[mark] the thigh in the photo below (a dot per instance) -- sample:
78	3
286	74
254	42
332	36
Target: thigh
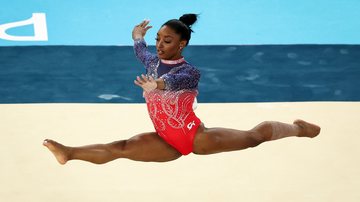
149	147
215	140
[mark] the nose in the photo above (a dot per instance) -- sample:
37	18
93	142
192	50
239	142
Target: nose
160	44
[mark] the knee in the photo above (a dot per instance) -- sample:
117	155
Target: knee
263	131
264	126
118	148
127	148
254	138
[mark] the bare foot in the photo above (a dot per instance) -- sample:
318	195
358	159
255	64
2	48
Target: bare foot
307	129
60	152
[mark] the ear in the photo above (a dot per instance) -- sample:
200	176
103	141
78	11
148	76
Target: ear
183	43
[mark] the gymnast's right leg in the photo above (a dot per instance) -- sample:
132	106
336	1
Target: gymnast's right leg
143	147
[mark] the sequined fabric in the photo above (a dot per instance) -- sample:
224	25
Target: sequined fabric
184	76
171	110
173	118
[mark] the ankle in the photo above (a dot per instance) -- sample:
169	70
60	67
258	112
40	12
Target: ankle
299	129
282	130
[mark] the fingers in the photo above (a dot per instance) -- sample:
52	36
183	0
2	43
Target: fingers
140	80
144	78
147	28
140	30
144	23
151	79
137	83
148	78
146	83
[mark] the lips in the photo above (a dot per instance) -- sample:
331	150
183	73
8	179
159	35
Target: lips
160	52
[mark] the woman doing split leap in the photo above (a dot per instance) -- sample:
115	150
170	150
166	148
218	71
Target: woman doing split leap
170	88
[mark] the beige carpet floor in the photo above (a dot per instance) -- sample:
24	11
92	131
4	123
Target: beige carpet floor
326	168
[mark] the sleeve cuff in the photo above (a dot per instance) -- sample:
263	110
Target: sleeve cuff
166	83
139	40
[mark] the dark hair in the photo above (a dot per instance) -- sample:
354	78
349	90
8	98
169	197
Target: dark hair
183	25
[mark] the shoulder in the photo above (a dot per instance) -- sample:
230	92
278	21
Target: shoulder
189	67
186	69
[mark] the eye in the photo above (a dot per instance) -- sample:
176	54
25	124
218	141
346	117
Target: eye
167	41
156	39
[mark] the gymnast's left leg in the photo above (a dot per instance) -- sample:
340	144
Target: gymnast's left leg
215	140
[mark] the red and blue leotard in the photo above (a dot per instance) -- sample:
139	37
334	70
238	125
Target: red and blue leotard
171	110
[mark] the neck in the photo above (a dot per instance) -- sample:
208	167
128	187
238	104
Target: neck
175	57
173	61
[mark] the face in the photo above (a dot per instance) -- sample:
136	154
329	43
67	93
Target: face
168	44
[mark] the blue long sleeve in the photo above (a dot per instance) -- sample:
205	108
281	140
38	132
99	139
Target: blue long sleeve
186	78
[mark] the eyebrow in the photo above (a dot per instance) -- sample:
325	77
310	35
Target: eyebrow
166	36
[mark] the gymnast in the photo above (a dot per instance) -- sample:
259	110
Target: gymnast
170	87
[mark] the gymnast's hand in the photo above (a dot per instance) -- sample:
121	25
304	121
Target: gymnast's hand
140	30
147	84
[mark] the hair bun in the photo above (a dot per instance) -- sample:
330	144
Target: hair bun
188	19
